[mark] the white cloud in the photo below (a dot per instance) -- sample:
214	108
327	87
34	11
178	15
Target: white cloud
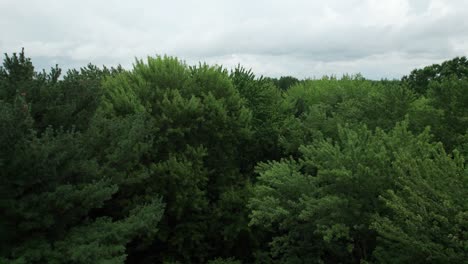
379	38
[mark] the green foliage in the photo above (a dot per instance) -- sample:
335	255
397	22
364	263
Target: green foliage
71	103
194	124
444	110
170	163
426	221
264	100
388	103
321	207
419	79
16	76
284	82
53	192
315	108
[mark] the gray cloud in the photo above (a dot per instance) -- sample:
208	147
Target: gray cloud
378	38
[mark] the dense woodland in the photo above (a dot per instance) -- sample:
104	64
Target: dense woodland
171	163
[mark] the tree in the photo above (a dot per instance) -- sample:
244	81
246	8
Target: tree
444	110
170	163
53	191
426	216
315	108
51	208
419	79
264	101
16	76
192	124
322	206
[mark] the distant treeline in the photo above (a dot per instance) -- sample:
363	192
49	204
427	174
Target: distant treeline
171	163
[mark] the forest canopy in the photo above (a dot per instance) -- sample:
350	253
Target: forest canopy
172	163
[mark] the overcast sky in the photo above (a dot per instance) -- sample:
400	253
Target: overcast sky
378	38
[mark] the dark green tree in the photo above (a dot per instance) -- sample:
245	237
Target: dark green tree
321	207
53	191
426	220
191	129
419	79
444	110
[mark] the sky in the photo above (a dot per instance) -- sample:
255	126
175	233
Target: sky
305	39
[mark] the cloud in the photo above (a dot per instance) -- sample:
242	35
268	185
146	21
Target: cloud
378	38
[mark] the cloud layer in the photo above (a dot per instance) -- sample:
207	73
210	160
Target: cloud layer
378	38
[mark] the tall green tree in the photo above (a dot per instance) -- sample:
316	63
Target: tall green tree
321	207
193	124
444	110
426	218
52	191
419	79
